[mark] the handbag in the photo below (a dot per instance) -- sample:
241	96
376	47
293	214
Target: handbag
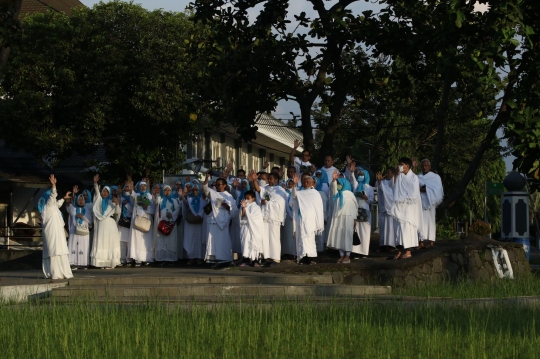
362	215
356	239
165	227
81	230
142	224
193	218
124	222
208	208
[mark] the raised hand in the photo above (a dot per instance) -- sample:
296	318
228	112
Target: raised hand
266	164
296	144
236	183
313	169
335	175
296	178
96	178
379	176
188	179
75	189
243	203
67	195
53	180
115	200
348	158
414	163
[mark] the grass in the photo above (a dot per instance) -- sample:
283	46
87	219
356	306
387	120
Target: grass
500	288
286	330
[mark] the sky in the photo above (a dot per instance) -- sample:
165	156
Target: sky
284	107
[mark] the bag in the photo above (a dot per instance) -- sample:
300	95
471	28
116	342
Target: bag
124	222
81	230
355	239
165	227
192	218
362	215
208	208
142	224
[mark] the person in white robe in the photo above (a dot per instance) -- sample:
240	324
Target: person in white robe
364	197
251	232
322	238
242	186
288	243
106	246
385	196
432	194
308	219
302	165
273	199
181	220
55	263
168	210
406	208
218	239
141	249
328	169
193	232
342	221
124	223
79	242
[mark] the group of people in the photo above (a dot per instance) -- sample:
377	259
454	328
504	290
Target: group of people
259	216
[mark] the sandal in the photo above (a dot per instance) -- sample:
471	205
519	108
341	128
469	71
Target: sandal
340	260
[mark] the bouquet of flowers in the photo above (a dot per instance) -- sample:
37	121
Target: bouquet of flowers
267	197
143	201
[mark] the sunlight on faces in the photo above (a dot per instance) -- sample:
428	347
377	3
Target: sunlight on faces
105	193
167	191
307	181
80	201
290	184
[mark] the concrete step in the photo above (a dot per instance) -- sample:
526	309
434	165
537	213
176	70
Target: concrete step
219	290
181	280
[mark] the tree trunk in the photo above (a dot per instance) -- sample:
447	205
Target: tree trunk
502	117
5	48
442	114
307	130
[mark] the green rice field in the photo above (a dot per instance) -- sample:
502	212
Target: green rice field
280	330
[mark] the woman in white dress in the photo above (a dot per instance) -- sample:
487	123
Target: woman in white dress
55	250
167	209
141	249
79	242
180	221
106	247
193	232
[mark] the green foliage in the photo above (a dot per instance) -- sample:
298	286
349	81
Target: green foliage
115	74
280	330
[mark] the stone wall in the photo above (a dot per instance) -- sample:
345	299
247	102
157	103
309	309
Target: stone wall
474	263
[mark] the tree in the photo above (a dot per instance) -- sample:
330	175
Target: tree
9	30
115	74
254	63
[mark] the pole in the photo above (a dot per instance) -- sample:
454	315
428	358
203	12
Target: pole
485	201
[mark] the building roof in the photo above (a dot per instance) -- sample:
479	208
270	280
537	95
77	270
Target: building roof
30	6
272	134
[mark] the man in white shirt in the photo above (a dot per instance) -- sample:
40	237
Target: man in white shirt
329	168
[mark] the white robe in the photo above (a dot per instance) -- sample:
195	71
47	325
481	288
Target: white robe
340	235
288	244
55	250
430	200
79	246
106	246
273	213
407	210
322	238
251	233
218	242
309	223
193	233
166	247
387	223
141	248
125	234
362	228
